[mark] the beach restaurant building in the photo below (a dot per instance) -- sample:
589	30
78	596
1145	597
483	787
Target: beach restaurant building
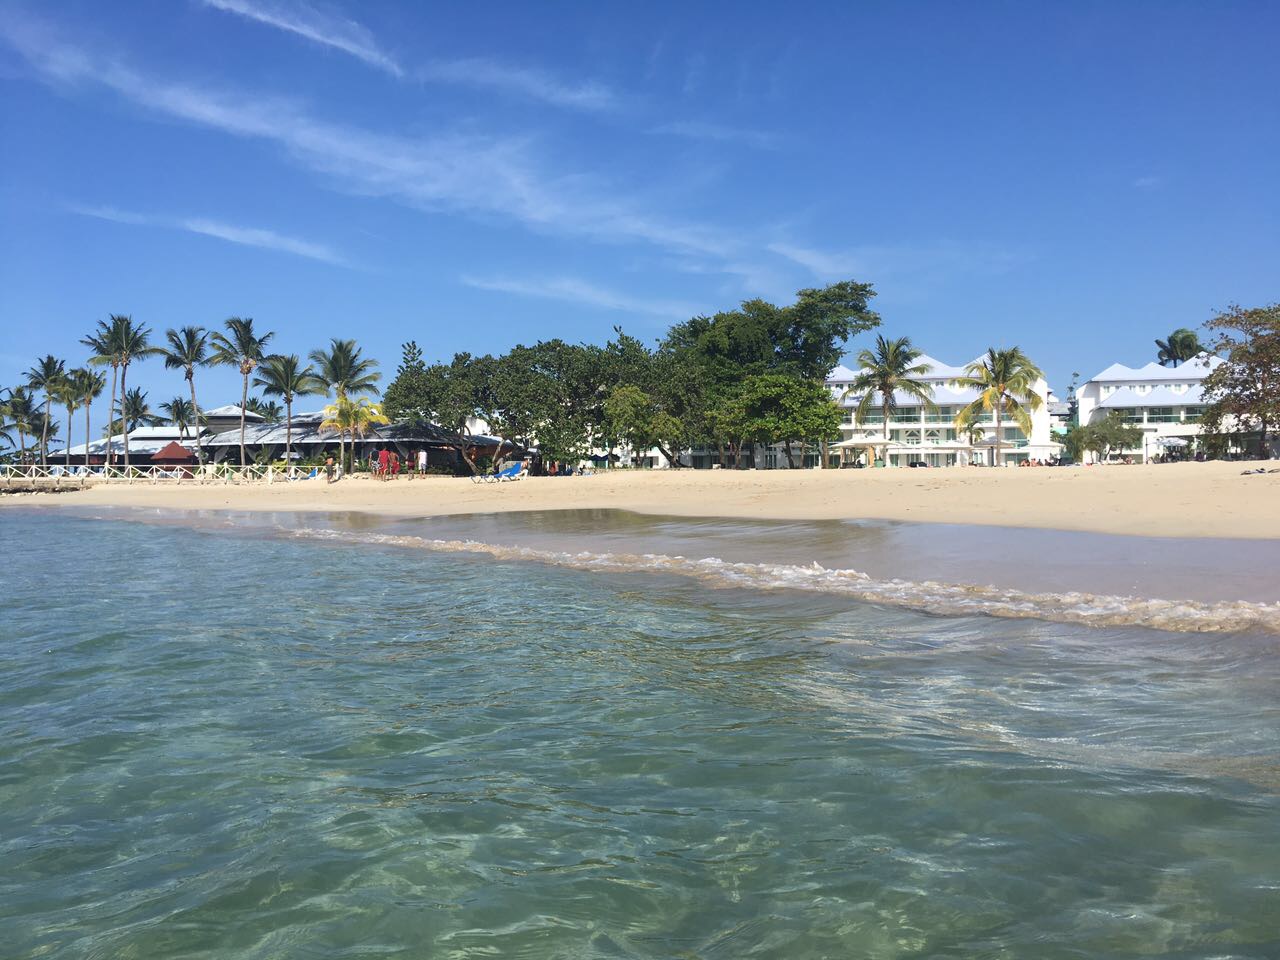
922	434
1165	403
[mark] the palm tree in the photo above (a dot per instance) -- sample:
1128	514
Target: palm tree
240	347
889	369
47	375
188	349
88	386
105	344
284	376
20	410
135	411
343	370
1006	384
181	413
1182	345
352	416
133	343
69	397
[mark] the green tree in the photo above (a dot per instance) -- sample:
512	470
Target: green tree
240	347
22	416
284	376
104	343
884	372
181	412
449	396
187	349
1006	384
88	385
1182	345
135	411
633	416
352	416
777	408
1245	390
47	375
69	396
133	341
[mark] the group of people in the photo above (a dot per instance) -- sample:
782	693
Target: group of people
386	464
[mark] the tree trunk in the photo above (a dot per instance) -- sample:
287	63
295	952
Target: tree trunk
111	417
721	450
195	412
791	461
999	438
86	436
67	448
885	412
244	398
44	429
124	424
288	430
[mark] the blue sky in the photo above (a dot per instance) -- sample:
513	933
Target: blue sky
1077	178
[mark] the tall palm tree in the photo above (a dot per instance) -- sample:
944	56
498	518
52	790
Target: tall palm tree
343	370
887	369
187	349
284	376
1006	384
88	386
105	344
240	347
1182	345
7	426
133	343
354	417
181	413
47	375
69	397
20	410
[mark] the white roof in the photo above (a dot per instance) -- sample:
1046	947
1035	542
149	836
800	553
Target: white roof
937	370
232	410
1194	369
1157	397
98	448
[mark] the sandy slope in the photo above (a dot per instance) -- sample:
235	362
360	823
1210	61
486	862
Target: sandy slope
1186	500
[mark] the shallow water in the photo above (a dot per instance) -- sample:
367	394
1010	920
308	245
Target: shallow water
220	744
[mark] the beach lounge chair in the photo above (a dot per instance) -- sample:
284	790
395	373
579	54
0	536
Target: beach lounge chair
513	472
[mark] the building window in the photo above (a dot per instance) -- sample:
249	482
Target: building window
940	415
1130	414
1163	415
1193	414
1014	433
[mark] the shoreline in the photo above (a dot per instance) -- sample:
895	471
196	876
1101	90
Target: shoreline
1185	501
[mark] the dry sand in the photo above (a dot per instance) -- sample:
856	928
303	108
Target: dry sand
1175	500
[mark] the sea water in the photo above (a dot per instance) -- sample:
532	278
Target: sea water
319	740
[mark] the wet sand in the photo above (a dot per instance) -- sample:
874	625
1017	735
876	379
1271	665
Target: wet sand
1189	500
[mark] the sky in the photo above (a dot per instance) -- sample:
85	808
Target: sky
1074	178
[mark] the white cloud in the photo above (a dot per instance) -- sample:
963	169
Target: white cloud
914	261
520	81
1148	182
245	236
573	290
699	130
457	172
327	29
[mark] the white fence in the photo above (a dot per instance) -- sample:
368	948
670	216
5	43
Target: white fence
56	475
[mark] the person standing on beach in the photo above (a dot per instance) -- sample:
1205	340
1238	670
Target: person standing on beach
422	461
384	460
328	470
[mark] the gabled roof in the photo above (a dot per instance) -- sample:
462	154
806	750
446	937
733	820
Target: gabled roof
937	370
1158	397
1194	369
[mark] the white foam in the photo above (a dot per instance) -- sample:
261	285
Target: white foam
928	595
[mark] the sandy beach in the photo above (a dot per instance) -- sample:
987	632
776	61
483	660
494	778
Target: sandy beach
1174	500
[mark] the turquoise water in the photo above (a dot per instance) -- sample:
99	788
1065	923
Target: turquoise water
231	745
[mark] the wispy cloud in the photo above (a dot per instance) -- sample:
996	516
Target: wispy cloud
699	130
902	262
522	82
573	290
245	236
319	26
1148	182
473	174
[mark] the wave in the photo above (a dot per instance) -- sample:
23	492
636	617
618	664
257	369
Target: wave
929	596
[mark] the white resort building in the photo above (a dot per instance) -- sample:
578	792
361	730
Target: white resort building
1165	402
918	434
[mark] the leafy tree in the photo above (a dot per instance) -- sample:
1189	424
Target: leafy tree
353	416
69	396
1246	388
885	371
777	408
47	375
181	413
1182	345
88	386
634	417
284	376
135	411
133	342
104	343
187	349
1005	381
242	348
22	416
343	370
449	396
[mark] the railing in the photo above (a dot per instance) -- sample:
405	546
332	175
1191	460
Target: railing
56	475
